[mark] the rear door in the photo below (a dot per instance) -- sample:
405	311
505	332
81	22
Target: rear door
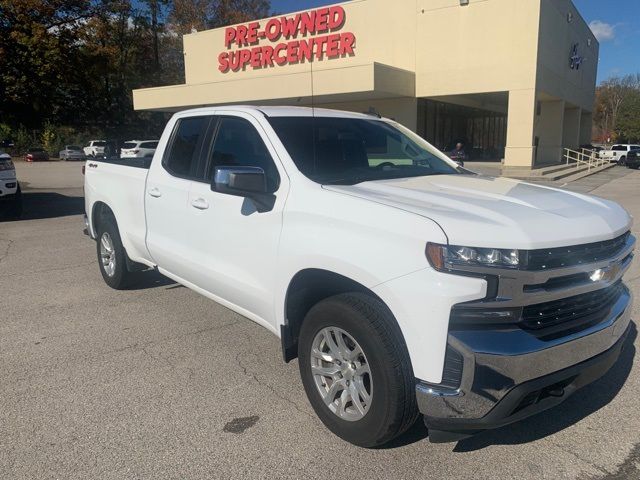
167	197
235	245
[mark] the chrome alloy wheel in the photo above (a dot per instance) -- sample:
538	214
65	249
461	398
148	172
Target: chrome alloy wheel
341	373
108	254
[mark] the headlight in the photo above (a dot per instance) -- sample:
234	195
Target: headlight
442	256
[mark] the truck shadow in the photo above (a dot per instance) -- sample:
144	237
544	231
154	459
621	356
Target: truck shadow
41	205
582	404
149	279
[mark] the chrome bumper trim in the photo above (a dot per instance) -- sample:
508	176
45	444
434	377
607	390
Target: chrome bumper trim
496	361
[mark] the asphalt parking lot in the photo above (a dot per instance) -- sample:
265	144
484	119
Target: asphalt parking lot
159	382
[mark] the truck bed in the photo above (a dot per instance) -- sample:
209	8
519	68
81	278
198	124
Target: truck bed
120	184
144	163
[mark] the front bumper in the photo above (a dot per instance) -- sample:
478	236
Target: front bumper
8	188
508	375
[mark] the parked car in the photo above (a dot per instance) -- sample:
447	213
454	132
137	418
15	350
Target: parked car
633	159
138	148
95	148
403	287
72	152
10	194
36	155
618	153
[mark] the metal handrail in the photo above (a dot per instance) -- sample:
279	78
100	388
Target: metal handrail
584	157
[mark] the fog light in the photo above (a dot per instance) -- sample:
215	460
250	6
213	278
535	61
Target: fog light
10	185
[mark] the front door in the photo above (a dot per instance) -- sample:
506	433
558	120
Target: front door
236	246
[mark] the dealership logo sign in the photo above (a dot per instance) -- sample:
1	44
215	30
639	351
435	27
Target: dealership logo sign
575	60
310	36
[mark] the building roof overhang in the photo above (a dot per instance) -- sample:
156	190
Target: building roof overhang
353	83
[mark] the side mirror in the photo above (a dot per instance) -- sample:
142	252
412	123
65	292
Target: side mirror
247	182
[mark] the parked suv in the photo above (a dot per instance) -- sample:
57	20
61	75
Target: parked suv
10	195
633	159
138	148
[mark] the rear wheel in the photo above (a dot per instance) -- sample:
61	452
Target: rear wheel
112	257
356	371
622	161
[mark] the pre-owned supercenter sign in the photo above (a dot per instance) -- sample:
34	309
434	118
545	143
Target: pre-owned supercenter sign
306	36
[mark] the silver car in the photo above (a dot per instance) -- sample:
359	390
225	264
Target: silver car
72	152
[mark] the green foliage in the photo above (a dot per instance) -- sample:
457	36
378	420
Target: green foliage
22	140
76	62
628	122
616	114
49	138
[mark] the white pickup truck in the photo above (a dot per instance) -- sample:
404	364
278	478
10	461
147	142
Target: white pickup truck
618	153
403	284
95	148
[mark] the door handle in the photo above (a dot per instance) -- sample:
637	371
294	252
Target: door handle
155	193
200	204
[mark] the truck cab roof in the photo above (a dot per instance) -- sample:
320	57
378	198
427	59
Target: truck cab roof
282	111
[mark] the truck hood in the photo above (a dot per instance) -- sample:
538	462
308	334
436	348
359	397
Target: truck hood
492	212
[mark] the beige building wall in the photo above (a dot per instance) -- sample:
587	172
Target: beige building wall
412	49
384	35
402	110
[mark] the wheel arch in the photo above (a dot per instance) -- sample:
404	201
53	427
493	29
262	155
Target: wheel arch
99	212
307	288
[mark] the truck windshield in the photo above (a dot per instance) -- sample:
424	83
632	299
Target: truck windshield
347	151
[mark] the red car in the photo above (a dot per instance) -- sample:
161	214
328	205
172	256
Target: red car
36	155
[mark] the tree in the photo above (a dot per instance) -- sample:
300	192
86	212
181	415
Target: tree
69	66
190	15
628	122
37	48
611	97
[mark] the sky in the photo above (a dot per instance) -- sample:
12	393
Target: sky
614	22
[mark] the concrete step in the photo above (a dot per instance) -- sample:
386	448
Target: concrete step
582	174
537	172
556	172
565	177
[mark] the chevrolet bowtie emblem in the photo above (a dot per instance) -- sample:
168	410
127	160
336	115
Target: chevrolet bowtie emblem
607	274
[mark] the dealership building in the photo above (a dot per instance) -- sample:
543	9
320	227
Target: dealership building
514	80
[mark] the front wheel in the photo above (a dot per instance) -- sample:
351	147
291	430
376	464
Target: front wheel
356	370
112	257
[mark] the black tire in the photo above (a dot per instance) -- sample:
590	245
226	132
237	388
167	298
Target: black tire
393	406
121	277
622	161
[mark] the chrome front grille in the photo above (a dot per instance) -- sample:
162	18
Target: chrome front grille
578	311
575	255
550	303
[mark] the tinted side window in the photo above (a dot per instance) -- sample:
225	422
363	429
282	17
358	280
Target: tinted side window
238	143
188	136
149	145
619	148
